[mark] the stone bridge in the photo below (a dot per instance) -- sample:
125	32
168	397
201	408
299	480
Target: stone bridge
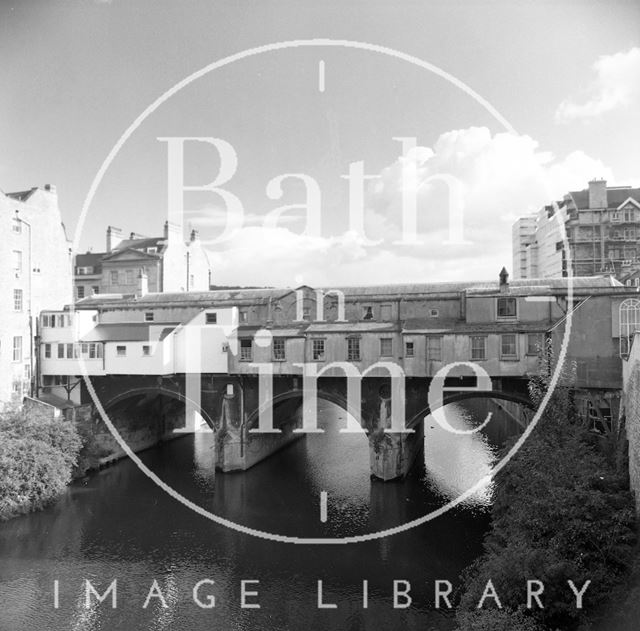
146	409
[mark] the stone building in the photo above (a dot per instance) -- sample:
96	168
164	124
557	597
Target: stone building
602	225
35	264
168	262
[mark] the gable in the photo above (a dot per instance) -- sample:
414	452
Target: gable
129	255
628	202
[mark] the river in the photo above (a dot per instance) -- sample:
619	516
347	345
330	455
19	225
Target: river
117	524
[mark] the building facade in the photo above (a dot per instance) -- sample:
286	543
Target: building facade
169	263
35	259
501	326
602	226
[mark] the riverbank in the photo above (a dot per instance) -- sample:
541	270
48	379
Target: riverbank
563	515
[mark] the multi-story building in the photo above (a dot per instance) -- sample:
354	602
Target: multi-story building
169	263
602	226
35	264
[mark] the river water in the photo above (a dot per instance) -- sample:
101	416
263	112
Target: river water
118	524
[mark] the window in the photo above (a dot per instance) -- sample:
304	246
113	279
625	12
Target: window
47	351
615	216
17	387
61	320
506	307
152	250
121	351
17	348
246	350
318	350
16	226
306	313
114	277
434	313
244	315
80	289
385	313
17	299
84	271
60	351
146	350
434	348
278	348
44	320
69	351
27	371
478	348
508	348
96	289
368	313
629	214
386	346
129	277
408	349
629	234
148	316
211	318
559	245
534	343
353	349
17	261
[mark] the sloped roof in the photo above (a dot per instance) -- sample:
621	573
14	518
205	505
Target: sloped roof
22	196
90	259
127	332
615	196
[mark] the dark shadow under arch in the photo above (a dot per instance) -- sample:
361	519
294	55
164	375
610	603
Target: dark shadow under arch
157	390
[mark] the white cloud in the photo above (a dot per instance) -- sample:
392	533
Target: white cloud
616	85
501	177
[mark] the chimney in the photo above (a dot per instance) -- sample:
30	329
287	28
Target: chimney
194	235
172	232
143	284
114	236
598	194
51	188
504	280
132	236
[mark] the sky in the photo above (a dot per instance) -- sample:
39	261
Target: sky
513	104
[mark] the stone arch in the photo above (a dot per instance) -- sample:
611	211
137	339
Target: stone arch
157	390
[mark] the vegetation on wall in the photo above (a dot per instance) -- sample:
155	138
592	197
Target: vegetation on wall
37	458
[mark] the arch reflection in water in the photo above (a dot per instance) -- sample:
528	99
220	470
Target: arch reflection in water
456	462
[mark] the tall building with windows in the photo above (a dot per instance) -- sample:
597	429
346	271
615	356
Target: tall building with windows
602	226
35	274
169	264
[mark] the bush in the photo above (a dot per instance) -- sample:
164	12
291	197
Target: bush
37	456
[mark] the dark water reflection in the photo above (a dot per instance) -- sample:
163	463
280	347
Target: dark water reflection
120	525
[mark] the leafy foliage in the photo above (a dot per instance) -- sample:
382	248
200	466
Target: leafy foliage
561	512
37	456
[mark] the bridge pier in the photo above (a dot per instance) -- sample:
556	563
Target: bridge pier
392	454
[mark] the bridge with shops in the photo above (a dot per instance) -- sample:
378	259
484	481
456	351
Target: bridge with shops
250	364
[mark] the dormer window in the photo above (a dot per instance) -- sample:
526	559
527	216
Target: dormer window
153	250
507	308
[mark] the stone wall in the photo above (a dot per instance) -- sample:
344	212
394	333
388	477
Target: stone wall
632	413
